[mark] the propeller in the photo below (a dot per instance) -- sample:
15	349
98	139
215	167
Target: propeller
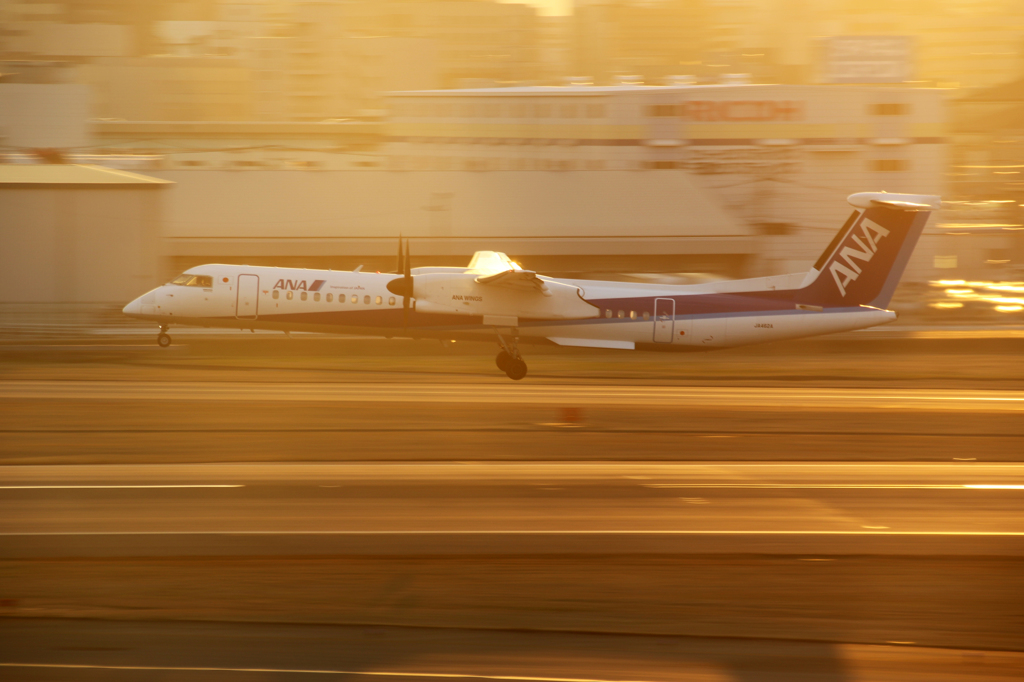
403	287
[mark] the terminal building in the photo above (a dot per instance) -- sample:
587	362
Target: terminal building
779	158
733	180
737	180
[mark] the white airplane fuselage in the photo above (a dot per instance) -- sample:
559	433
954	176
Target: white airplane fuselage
848	288
619	315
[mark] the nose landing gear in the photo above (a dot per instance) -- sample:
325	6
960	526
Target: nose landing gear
163	339
509	359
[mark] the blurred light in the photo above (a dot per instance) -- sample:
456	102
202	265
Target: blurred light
960	293
1010	308
946	305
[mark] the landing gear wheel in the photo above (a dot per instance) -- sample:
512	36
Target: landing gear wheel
163	340
516	370
503	361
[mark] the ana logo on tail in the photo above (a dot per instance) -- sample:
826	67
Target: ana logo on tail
868	247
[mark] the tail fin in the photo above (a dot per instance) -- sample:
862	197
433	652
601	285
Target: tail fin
866	259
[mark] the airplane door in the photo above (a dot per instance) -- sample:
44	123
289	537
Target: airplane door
664	319
247	297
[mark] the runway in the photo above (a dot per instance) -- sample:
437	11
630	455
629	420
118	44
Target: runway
236	651
530	507
818	517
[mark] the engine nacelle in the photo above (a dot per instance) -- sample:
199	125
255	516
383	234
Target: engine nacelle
461	294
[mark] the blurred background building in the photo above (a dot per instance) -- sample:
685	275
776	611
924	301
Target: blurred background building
602	136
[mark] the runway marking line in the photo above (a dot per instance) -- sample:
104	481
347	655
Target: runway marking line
995	487
937	533
836	486
373	673
118	487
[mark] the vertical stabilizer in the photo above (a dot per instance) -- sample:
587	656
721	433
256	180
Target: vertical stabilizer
866	259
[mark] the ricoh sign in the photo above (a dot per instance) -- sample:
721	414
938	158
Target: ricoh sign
741	111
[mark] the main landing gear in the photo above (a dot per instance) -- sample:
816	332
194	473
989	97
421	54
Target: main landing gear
509	360
163	339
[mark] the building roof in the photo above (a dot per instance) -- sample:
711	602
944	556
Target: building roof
27	175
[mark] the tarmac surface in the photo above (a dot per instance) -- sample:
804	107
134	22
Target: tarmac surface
229	651
228	516
527	507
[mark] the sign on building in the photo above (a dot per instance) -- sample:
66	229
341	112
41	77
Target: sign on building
867	59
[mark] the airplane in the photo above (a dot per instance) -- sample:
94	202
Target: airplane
848	288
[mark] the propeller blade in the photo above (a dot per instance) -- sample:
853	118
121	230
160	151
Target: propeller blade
401	262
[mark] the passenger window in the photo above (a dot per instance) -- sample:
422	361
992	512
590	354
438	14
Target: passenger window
647	315
316	297
632	314
303	295
366	300
355	299
622	314
330	297
608	312
379	300
391	301
289	295
276	294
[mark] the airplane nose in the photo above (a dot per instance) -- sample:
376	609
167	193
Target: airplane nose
133	308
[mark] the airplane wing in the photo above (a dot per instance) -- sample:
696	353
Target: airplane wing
515	279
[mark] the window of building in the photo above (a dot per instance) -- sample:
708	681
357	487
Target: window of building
330	297
391	300
366	300
890	109
889	165
595	111
568	111
276	294
289	295
355	299
378	300
661	110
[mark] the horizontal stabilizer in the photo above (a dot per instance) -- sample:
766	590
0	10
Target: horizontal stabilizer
900	202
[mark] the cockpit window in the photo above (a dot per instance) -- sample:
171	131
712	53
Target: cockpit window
186	280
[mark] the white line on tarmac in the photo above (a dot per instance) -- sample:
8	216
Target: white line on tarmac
775	397
75	487
834	486
922	533
996	487
373	673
